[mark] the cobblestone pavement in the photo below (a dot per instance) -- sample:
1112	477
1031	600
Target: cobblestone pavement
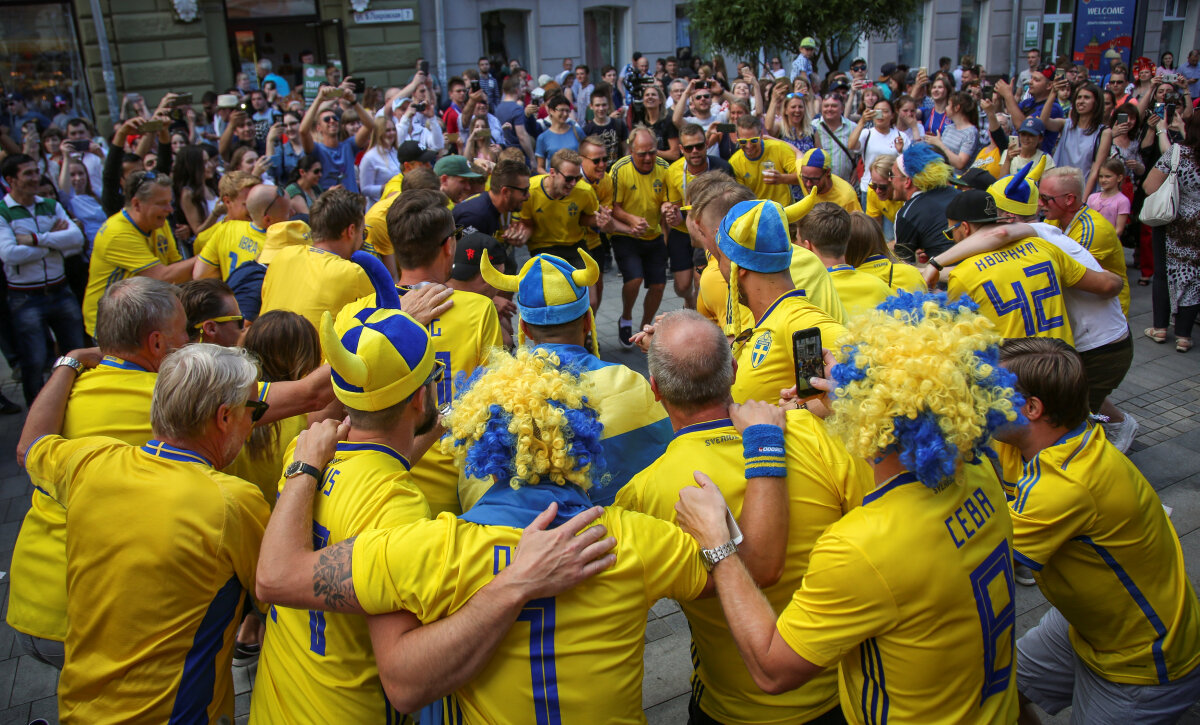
1162	391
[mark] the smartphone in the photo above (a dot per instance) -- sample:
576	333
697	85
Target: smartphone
988	92
183	99
1059	74
1122	118
474	86
358	84
1160	110
726	128
80	144
703	84
806	352
152	126
424	67
924	70
1170	113
334	93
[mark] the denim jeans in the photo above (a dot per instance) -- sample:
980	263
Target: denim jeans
33	312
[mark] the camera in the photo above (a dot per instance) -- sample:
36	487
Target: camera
419	106
475	86
705	84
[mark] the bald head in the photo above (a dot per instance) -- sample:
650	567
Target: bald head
266	206
691	365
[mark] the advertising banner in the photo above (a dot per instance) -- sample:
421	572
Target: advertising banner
1103	30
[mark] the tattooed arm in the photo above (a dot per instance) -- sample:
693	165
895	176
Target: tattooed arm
290	573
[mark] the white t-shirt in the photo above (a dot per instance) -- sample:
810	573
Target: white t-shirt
874	144
1095	321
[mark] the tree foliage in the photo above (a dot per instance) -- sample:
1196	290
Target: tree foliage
742	27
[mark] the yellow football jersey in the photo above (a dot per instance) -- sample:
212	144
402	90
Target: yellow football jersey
823	483
572	658
1105	554
989	160
164	548
556	221
263	470
750	172
1026	277
396	184
376	223
897	275
1097	235
123	250
860	292
112	399
233	244
462	339
842	194
641	194
912	593
636	427
765	362
678	178
877	208
309	281
319	667
603	189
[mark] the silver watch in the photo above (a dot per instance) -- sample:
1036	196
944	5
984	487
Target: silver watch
711	557
71	363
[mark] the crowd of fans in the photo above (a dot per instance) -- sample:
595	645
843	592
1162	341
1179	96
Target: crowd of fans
327	294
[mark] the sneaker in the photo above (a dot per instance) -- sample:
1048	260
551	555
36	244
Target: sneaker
1121	434
1022	573
624	333
245	655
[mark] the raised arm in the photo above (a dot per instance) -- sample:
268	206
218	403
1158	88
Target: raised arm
50	407
1053	124
677	113
310	120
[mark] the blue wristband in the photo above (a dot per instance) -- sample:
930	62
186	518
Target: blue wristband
762	447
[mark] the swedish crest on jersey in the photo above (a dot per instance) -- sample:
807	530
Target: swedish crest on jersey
762	346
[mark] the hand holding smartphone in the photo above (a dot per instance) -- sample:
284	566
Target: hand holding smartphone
808	358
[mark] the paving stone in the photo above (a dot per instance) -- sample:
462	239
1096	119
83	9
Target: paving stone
671	712
45	708
241	705
1165	463
18	715
669	668
657	629
35	680
663	607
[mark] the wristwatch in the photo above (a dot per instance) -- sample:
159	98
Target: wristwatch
934	263
295	468
711	557
71	363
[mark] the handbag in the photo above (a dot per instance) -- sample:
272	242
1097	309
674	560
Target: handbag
1161	207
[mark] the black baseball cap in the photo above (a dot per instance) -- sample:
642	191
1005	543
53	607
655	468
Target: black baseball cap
973	206
470	251
412	151
974	178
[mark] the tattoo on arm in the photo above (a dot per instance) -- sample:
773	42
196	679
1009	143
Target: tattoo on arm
333	576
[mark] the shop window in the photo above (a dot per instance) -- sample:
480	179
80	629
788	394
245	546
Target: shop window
40	58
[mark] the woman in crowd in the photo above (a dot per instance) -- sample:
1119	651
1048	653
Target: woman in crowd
959	137
1182	236
869	97
179	139
1126	147
936	116
867	251
194	199
287	348
787	119
1166	63
379	164
1143	74
305	187
908	120
247	159
77	196
479	144
284	148
1085	139
881	138
659	120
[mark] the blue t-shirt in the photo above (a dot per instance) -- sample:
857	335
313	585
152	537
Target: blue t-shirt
549	142
1034	108
478	213
512	113
337	164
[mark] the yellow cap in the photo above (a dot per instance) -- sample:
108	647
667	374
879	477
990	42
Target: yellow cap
283	234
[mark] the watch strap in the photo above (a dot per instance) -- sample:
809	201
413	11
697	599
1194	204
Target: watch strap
934	263
69	362
299	467
712	557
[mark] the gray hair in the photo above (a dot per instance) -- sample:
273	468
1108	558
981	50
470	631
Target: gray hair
132	309
265	64
141	184
696	369
1070	177
193	383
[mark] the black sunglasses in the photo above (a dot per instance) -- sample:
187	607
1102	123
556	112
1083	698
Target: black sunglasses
693	147
259	408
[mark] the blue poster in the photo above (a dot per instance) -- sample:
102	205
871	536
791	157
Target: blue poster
1103	32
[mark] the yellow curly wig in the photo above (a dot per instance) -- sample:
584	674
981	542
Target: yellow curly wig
524	419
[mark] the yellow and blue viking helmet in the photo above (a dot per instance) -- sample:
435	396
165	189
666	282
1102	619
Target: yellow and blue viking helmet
797	211
549	291
383	355
754	235
1018	193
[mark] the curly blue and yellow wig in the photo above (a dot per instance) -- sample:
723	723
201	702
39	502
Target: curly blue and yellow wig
920	376
525	420
925	166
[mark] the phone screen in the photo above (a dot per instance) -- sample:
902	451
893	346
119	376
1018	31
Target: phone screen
806	352
359	85
1122	118
474	86
1160	110
183	99
726	128
80	144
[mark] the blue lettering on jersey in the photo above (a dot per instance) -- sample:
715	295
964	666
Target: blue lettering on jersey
1004	255
969	518
331	475
247	244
